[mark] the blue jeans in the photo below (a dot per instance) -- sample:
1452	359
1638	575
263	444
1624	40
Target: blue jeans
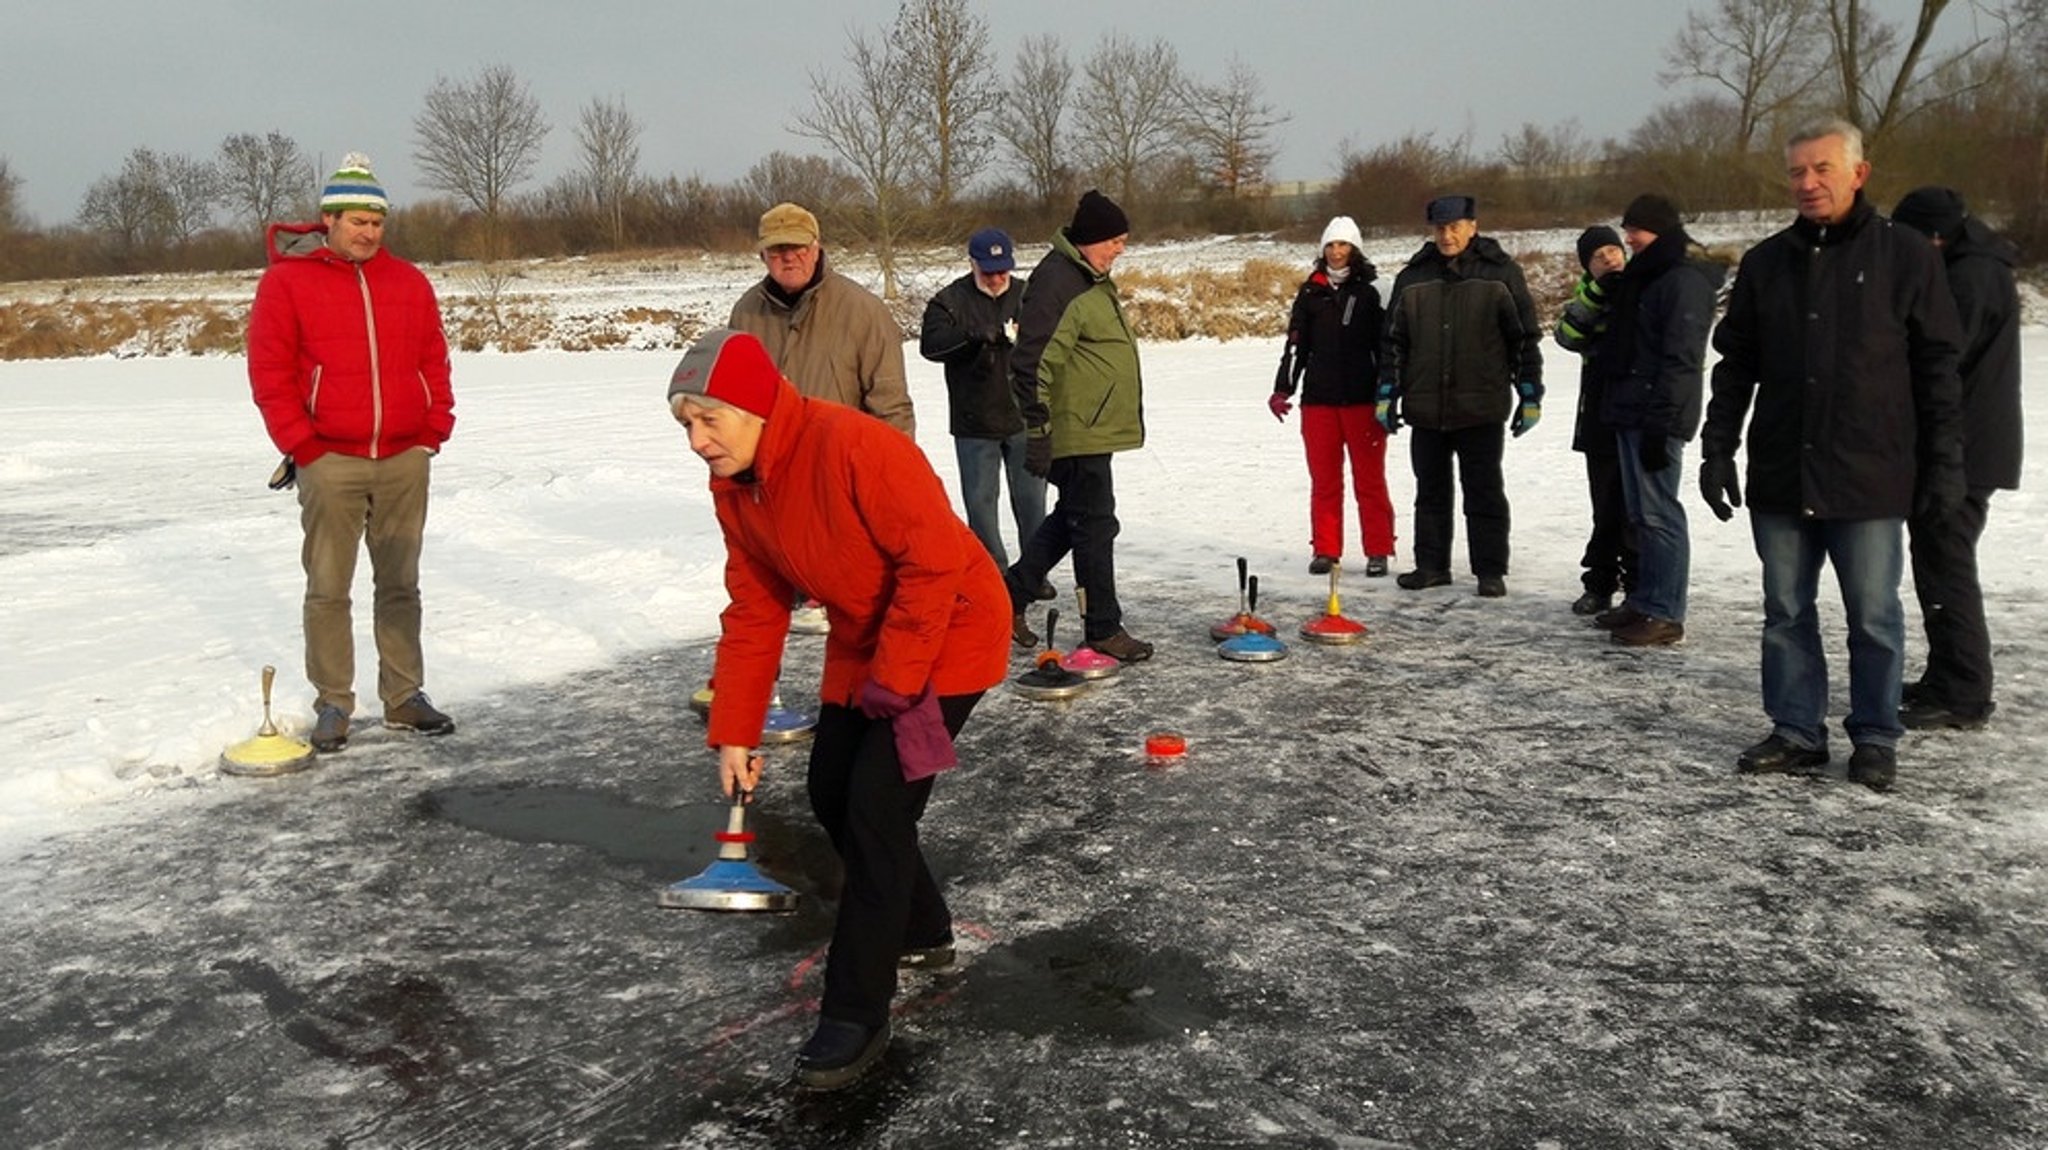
984	464
1869	557
1663	543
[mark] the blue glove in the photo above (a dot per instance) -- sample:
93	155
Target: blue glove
1529	408
1387	408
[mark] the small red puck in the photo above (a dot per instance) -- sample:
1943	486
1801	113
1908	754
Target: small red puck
1165	744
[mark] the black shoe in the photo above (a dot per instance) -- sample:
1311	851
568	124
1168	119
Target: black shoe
330	729
417	713
1320	565
1045	592
1615	620
1021	632
1122	647
935	957
1911	693
1925	714
839	1052
1418	579
1375	567
1873	766
1593	603
1492	587
1778	755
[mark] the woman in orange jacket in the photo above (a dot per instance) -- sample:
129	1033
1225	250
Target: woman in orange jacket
815	495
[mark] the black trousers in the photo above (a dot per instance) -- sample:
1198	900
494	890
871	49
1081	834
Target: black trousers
889	902
1477	452
1083	521
1944	552
1610	558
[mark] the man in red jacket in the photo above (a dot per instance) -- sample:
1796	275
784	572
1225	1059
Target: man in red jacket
810	493
349	367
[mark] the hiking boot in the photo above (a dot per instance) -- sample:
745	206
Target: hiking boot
1649	632
1021	632
330	729
418	714
839	1052
1419	579
936	957
1873	766
809	618
1778	755
1925	714
1593	603
1321	564
1492	587
1121	647
1045	592
1375	567
1618	618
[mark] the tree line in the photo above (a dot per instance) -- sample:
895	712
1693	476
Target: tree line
923	133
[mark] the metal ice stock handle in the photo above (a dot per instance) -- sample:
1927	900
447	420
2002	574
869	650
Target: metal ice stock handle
1252	603
1052	618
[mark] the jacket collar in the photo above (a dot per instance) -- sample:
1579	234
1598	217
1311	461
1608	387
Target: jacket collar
785	421
1826	235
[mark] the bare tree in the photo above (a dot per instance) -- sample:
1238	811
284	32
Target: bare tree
952	77
1766	54
1029	120
264	178
10	198
1128	110
1864	46
478	139
1230	127
813	181
609	135
155	201
867	123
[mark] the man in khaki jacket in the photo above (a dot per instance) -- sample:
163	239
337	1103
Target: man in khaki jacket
832	337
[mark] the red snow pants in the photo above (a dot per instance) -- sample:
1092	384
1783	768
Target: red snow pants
1329	433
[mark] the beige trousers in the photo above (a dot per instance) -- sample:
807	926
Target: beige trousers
345	500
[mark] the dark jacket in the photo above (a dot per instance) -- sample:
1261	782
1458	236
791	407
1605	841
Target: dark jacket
965	329
1664	313
1980	264
346	357
1075	366
1583	329
1333	338
1845	337
1460	334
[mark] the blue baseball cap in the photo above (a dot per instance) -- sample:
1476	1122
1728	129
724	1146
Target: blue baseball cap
991	251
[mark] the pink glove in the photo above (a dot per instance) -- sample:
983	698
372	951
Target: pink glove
879	702
1280	405
923	746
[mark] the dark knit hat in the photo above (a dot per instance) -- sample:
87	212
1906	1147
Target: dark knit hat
1097	218
1593	239
1653	213
991	251
731	367
353	187
1937	211
1451	209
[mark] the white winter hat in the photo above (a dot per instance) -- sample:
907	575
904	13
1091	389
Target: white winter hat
1342	228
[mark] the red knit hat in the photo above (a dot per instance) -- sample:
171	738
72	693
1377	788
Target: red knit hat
731	367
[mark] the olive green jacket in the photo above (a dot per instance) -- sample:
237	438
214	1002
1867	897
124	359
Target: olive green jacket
1075	366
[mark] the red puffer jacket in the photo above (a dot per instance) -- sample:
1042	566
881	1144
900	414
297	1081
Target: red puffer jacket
346	357
847	508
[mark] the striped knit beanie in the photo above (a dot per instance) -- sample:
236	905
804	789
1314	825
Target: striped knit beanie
353	187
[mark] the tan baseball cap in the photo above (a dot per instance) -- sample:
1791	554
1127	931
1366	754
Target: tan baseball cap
787	224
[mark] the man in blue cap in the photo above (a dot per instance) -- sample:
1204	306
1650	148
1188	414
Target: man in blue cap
970	326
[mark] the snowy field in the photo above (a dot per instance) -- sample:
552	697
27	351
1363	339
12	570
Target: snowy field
1484	880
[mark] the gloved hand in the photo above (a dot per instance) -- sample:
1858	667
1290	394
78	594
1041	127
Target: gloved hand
1280	405
1038	455
879	702
1653	451
1528	409
1939	491
1387	408
286	475
1718	486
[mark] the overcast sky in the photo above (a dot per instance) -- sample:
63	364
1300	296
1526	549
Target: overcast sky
716	85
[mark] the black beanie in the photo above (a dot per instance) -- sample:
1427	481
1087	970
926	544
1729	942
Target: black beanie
1935	211
1653	213
1593	239
1096	218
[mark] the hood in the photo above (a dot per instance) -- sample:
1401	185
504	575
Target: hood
295	241
1977	239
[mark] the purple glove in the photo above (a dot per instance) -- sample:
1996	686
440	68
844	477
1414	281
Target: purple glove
879	702
1280	405
923	747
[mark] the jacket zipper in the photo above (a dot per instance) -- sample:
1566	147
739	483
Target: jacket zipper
376	381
